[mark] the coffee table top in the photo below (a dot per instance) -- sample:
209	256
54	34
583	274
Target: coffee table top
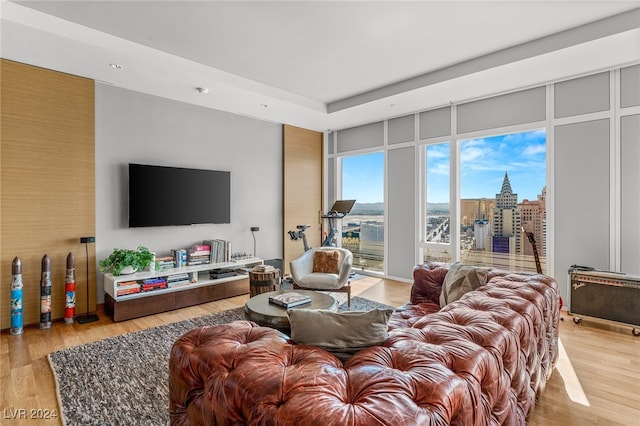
259	310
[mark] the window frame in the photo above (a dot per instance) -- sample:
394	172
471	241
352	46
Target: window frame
339	196
455	140
424	245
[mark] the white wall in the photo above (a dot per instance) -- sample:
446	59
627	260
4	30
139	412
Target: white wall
138	128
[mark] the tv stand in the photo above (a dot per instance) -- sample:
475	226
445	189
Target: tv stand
200	288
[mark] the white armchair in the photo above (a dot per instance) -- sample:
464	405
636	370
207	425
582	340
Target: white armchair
323	269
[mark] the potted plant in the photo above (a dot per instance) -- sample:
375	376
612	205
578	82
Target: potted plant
120	259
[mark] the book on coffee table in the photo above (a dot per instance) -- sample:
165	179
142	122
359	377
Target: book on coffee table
290	299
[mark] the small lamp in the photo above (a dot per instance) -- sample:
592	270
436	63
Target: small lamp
87	317
254	229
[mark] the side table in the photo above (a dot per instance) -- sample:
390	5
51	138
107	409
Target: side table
263	282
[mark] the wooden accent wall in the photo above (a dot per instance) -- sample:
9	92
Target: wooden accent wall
47	179
302	194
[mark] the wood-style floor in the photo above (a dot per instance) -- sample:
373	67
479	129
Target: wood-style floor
596	383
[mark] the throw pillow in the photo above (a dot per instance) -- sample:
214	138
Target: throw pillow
340	333
326	261
427	282
459	280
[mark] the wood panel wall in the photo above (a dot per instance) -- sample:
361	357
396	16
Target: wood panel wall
302	193
47	179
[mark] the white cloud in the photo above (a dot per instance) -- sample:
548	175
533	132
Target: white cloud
441	169
437	153
535	149
475	149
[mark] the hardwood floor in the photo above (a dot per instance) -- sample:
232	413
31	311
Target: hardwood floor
604	359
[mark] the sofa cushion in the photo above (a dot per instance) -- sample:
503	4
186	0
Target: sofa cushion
427	282
320	281
341	333
326	261
459	280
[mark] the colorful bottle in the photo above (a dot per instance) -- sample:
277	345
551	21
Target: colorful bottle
45	293
70	290
16	297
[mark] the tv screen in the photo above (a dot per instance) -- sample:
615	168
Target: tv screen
163	196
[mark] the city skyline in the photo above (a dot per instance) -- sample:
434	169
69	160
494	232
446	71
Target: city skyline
483	163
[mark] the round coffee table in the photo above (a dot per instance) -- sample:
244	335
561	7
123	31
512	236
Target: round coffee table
259	310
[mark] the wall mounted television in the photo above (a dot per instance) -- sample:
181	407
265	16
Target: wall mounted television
166	196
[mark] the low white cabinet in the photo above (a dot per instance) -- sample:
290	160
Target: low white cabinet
199	288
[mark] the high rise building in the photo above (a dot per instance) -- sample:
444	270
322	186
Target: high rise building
481	233
506	221
542	199
372	239
472	209
534	220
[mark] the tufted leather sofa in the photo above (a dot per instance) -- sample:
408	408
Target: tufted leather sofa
481	360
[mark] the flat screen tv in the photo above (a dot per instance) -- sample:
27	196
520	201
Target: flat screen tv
165	196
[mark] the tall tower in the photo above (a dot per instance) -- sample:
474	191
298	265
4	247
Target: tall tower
506	220
542	199
533	219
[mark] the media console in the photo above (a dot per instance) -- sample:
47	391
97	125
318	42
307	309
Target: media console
196	288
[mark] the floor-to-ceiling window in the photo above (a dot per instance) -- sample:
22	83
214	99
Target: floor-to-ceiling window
437	221
502	218
501	201
363	228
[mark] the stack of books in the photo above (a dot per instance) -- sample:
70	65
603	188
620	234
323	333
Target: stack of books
177	280
127	287
164	263
180	257
220	250
263	268
289	299
199	254
151	284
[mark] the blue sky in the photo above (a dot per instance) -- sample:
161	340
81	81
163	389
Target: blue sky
483	163
363	178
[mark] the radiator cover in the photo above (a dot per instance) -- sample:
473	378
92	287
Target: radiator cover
606	295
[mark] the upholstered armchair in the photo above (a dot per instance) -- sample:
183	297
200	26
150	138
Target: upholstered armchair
323	269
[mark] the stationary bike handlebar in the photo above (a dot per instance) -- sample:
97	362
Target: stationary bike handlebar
299	234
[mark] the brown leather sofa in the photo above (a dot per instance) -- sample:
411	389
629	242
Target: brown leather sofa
480	360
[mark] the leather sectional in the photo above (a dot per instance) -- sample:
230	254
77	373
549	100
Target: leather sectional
480	360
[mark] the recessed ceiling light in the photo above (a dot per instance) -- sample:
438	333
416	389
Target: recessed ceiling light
202	90
264	105
115	66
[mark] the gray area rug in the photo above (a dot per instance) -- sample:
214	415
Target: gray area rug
124	380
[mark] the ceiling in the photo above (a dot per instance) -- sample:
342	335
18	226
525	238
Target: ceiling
322	64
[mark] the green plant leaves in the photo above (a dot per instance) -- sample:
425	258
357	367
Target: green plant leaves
119	259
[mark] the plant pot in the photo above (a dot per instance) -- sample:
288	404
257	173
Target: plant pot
128	270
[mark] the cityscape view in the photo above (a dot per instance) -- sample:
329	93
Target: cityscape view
502	204
499	232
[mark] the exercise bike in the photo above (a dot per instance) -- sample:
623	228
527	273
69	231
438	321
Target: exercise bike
339	210
299	234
